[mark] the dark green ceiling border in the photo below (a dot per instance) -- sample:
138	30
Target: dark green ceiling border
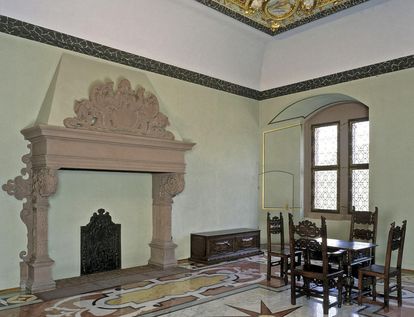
333	79
241	18
46	36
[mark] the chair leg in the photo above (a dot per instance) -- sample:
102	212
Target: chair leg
374	288
339	286
386	294
285	266
269	262
325	297
360	288
292	289
306	284
399	290
299	263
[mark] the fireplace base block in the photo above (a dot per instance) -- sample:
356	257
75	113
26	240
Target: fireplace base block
40	276
163	254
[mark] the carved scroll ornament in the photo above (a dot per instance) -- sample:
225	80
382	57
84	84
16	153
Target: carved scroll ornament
171	184
21	188
122	111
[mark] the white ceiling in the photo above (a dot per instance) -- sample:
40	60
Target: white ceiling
187	34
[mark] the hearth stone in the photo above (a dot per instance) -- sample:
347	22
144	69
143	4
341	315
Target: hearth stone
100	244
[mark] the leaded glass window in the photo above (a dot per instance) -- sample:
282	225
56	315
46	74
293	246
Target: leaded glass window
359	165
325	168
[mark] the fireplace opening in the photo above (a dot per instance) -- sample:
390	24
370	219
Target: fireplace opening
100	244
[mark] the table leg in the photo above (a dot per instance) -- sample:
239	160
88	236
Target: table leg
349	279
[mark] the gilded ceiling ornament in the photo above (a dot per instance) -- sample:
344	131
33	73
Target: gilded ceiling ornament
274	14
124	111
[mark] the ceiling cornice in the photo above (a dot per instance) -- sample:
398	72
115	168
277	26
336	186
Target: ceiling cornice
47	36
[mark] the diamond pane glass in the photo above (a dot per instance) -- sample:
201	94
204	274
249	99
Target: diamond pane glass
326	145
360	189
360	142
325	194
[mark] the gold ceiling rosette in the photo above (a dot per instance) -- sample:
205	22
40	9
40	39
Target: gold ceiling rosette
278	13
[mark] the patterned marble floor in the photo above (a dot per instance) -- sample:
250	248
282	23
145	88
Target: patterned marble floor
237	288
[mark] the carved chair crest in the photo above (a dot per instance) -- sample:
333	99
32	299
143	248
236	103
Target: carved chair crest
122	111
275	225
397	234
307	228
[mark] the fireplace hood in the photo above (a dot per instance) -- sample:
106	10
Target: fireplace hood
113	130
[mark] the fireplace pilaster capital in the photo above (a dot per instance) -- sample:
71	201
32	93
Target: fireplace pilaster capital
166	186
45	182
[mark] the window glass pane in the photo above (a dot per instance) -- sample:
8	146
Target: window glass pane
360	189
325	190
326	145
360	142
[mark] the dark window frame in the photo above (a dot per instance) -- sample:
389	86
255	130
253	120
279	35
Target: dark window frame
344	112
315	168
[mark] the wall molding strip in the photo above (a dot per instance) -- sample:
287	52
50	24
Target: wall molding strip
47	36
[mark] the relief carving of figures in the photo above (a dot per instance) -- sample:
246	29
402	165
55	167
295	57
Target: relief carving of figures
21	188
169	185
122	111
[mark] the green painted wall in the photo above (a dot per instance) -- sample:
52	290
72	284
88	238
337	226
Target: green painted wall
221	173
389	98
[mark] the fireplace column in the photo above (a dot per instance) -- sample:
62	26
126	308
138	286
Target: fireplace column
39	265
165	186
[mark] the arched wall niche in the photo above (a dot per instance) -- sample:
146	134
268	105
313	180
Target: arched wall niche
113	130
282	179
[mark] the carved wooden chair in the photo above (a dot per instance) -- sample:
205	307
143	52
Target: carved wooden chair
275	227
309	238
364	228
396	237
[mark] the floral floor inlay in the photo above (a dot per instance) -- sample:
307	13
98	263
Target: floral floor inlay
238	288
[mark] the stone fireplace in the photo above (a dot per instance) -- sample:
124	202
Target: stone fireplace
120	130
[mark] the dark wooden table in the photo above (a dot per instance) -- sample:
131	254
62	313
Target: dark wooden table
350	247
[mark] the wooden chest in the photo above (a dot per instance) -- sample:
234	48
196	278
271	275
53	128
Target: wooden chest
216	246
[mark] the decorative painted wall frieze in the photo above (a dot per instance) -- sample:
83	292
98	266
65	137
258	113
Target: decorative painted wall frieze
122	111
43	35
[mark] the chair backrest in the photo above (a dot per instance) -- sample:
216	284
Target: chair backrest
307	237
369	222
396	237
275	227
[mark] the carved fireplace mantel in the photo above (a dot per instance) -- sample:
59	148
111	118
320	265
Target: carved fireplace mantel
120	130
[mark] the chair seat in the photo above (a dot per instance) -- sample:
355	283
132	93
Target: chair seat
377	270
277	251
316	271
